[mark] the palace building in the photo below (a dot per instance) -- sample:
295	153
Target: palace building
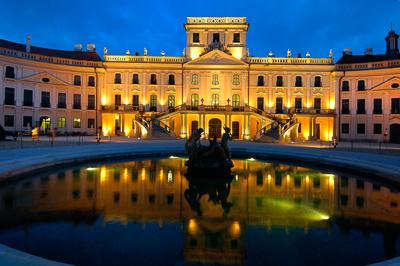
215	83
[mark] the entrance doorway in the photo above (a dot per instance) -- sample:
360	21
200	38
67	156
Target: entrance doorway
214	128
395	133
45	124
235	129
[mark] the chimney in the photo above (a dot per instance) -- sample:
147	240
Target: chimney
347	51
368	51
28	44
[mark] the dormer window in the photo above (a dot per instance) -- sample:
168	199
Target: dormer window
10	72
196	37
236	37
117	78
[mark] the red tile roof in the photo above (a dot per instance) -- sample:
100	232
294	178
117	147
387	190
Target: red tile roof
355	59
76	55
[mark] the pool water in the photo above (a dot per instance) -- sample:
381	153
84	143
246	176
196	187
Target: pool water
148	212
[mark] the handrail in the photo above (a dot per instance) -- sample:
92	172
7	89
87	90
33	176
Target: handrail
142	121
163	126
121	107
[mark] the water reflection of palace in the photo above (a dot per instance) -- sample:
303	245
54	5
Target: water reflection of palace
265	194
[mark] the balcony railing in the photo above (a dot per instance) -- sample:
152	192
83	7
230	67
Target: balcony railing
304	110
62	105
122	107
27	103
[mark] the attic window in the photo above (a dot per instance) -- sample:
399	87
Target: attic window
395	85
45	80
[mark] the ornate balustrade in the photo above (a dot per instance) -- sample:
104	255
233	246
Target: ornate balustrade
144	59
290	60
122	107
371	65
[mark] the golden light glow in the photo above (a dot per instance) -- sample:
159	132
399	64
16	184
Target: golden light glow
331	180
103	175
332	104
105	131
143	174
195	52
287	178
307	179
125	174
104	100
269	178
161	174
235	228
192	227
116	117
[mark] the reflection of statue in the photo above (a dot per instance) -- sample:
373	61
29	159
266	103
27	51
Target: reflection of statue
217	188
213	156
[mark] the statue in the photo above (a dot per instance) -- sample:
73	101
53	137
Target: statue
330	53
289	53
145	51
105	51
214	156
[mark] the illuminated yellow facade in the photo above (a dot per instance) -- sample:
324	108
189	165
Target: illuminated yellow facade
215	83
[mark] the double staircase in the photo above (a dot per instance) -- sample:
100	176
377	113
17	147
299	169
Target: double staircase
284	130
153	128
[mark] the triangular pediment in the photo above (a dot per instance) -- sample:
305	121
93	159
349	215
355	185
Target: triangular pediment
391	84
216	57
45	78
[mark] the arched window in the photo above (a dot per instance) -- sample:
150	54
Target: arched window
299	82
153	79
215	99
117	78
215	80
236	79
317	81
135	79
171	101
195	100
171	79
260	81
279	81
235	100
195	79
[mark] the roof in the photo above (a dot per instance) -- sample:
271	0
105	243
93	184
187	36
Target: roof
355	59
77	55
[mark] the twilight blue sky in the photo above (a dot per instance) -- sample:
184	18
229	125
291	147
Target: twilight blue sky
300	25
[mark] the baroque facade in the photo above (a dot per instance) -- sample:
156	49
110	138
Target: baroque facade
215	83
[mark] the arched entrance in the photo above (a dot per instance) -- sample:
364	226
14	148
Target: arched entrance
214	128
395	133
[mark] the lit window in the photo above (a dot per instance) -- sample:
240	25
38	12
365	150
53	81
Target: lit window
195	100
171	101
215	99
195	79
215	80
61	122
77	123
236	79
235	100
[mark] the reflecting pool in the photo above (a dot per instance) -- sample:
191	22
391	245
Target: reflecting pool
148	212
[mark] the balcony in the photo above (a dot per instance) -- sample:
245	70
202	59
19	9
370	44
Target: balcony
9	102
90	107
122	107
45	105
76	106
27	103
345	111
62	105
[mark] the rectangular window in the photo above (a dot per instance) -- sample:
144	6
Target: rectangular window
377	106
260	103
317	82
135	100
153	79
45	99
135	79
8	120
91	82
62	100
61	122
196	37
345	106
27	121
90	123
345	85
361	106
345	128
279	81
279	105
396	106
317	103
77	101
117	99
361	85
236	37
153	103
215	37
28	98
171	79
77	123
298	103
10	72
77	80
377	128
91	102
9	98
260	81
117	78
298	82
360	128
215	99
